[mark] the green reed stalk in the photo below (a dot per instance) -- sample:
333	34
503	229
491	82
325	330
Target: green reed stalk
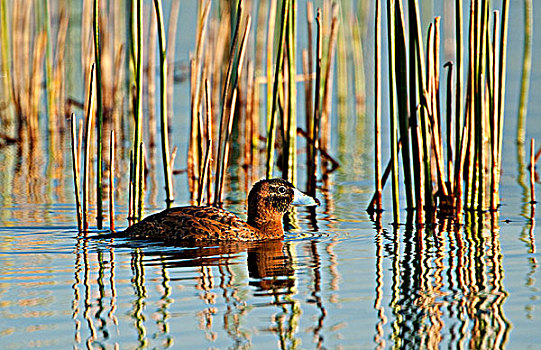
169	191
270	47
470	108
377	105
137	140
391	23
226	142
99	115
328	85
271	132
75	165
532	171
112	182
141	178
494	193
451	134
204	172
291	136
459	47
481	107
208	173
416	137
308	72
526	70
86	141
49	67
359	73
423	135
314	146
237	68
502	67
401	75
5	49
226	96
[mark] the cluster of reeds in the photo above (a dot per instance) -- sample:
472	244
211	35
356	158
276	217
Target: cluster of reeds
26	48
226	103
245	93
459	169
103	93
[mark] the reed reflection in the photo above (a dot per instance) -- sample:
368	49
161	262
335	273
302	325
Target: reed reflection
447	286
156	268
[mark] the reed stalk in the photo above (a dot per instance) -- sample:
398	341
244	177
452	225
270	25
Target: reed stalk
226	96
75	166
138	112
377	105
229	101
141	185
393	127
526	71
271	115
532	171
204	172
225	159
99	116
112	182
495	115
502	68
401	91
290	144
164	132
314	145
5	49
459	109
208	173
86	141
308	61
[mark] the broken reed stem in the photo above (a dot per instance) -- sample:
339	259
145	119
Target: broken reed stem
112	182
75	165
99	116
271	115
86	141
532	171
164	132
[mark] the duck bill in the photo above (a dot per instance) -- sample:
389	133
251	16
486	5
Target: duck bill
302	200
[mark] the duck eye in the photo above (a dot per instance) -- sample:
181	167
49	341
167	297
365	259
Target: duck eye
282	190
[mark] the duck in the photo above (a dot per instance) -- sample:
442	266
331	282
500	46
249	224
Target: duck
268	201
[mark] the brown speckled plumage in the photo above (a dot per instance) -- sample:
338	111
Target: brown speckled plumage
267	202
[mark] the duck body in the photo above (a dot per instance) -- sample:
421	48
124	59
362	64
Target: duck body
267	202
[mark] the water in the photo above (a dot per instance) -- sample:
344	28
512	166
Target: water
337	281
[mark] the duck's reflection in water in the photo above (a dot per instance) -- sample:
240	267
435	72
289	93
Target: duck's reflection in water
220	278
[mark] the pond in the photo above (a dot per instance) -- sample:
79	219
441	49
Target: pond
339	279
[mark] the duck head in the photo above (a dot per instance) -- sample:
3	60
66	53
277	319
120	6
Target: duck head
269	200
